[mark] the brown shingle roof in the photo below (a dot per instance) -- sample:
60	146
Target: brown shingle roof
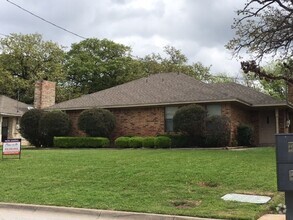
165	89
246	94
12	107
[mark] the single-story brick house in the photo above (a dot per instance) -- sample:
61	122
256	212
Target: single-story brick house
146	106
10	112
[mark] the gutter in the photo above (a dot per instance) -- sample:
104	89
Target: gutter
153	104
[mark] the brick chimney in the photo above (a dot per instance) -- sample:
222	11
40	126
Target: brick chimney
290	93
44	94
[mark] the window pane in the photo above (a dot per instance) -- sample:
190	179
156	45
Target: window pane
170	112
169	125
214	110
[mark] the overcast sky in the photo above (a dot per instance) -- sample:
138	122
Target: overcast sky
199	28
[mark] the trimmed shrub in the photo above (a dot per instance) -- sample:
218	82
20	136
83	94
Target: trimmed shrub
217	131
97	122
190	120
122	142
29	127
81	142
135	142
55	123
244	135
179	140
148	142
162	142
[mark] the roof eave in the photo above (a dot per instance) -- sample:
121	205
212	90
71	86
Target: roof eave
151	104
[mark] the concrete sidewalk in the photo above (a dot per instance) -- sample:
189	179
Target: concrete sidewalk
272	217
10	211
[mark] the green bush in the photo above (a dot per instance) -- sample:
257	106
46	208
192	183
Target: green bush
148	142
135	142
97	122
122	142
55	123
190	120
217	131
162	142
244	135
29	127
81	142
179	140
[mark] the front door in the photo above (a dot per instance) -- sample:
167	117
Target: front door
267	127
5	122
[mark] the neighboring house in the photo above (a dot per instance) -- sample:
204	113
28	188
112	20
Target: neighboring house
10	112
146	106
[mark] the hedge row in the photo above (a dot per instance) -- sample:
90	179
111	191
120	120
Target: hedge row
81	142
145	142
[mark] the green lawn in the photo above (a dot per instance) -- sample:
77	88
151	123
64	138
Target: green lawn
184	182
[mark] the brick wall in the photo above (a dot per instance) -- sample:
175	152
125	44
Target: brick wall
239	114
45	92
148	121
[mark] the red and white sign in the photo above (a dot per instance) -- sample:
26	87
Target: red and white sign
11	147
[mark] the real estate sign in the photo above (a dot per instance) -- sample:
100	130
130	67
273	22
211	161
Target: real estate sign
11	147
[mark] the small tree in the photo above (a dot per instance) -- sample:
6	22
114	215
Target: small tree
217	131
190	120
97	122
54	124
29	127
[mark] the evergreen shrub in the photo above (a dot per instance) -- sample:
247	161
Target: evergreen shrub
81	142
244	135
97	122
122	142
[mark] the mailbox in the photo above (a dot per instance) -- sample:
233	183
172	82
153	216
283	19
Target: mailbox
284	154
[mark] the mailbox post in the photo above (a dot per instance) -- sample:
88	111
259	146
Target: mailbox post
284	154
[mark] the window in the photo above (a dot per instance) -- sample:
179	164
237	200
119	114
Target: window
214	109
169	114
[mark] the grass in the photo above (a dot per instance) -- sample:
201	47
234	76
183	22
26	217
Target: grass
183	182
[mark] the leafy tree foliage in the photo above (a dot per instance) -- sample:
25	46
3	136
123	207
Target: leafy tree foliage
175	61
97	122
190	120
25	59
53	124
94	64
30	127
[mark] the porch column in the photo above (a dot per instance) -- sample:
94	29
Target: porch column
0	128
277	120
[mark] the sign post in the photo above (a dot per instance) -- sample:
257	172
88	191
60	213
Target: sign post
11	147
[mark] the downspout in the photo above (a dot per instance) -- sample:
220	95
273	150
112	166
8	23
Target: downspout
277	120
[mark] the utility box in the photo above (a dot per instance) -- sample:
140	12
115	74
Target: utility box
284	154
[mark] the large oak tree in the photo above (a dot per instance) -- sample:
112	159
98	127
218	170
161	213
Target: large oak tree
24	59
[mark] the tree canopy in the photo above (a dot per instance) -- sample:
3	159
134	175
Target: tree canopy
25	59
88	66
94	64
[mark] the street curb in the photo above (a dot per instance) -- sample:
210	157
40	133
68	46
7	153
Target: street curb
96	212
